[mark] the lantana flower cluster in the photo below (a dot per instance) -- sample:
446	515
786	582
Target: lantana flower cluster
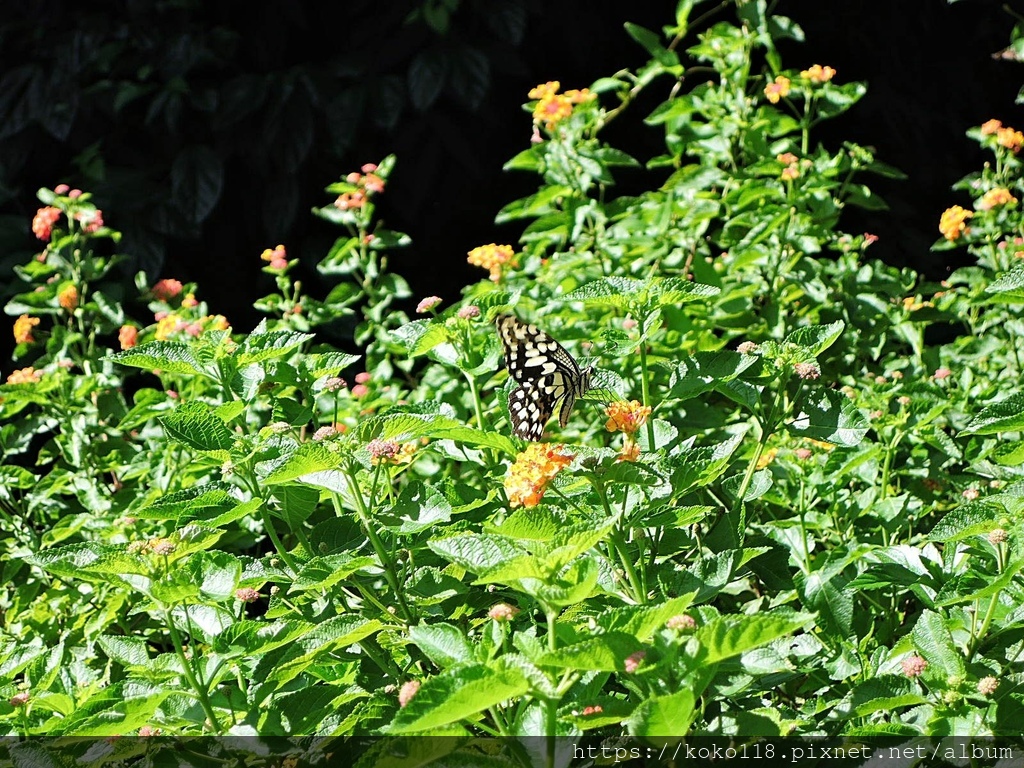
553	107
627	418
494	258
528	477
366	183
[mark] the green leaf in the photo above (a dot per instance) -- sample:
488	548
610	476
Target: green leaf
126	651
935	643
605	652
197	177
418	507
1009	285
885	693
652	44
663	716
829	416
1005	416
476	552
975	518
642	621
194	424
322	573
443	644
306	459
167	356
699	467
728	636
817	338
459	693
320	643
427	75
258	347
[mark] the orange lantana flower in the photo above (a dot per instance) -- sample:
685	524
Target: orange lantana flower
23	329
25	376
818	74
493	258
954	222
994	197
68	298
1011	139
528	477
777	90
625	417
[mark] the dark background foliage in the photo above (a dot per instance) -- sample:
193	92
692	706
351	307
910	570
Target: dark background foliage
207	131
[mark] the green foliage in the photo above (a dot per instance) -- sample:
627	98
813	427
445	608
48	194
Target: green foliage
808	525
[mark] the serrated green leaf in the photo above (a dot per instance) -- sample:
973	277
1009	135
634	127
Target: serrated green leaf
829	416
729	636
443	644
459	693
169	356
306	459
1005	416
194	424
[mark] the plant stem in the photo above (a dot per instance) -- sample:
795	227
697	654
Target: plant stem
186	667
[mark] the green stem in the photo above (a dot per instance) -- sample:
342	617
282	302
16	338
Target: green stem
551	709
186	667
378	546
977	638
268	526
645	389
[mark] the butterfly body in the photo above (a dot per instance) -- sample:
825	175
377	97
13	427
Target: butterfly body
548	377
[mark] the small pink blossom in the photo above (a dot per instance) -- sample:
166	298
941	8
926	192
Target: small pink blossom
166	289
913	666
427	304
362	378
807	370
942	373
61	189
369	168
247	595
334	383
502	612
408	690
360	390
632	663
803	453
681	621
469	311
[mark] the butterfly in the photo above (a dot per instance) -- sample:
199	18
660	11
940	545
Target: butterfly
548	376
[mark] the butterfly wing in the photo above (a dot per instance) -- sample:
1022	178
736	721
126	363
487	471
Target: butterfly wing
549	378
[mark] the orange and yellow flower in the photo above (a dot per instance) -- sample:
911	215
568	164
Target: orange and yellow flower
1011	139
528	477
43	221
994	197
68	298
625	417
818	74
552	107
25	376
954	222
23	329
278	257
777	90
167	325
128	336
493	258
166	289
990	126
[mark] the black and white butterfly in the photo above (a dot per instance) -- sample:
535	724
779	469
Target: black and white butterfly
548	376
